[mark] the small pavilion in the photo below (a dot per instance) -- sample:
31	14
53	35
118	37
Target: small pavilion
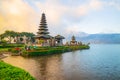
59	40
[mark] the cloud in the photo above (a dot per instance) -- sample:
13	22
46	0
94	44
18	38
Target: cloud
21	15
115	4
16	15
54	11
58	14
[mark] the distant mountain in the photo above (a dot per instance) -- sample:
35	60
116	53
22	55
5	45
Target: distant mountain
98	38
77	34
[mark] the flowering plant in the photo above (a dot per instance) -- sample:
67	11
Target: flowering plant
17	48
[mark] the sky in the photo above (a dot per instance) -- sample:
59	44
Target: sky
63	16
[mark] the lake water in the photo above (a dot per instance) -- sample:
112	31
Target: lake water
100	62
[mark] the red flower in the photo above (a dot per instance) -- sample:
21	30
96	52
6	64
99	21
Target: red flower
17	49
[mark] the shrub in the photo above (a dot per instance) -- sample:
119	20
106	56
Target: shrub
6	45
15	51
9	49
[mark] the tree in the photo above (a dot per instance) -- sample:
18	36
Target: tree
2	37
9	34
30	36
2	41
12	34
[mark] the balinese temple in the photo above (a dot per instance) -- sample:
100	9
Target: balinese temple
73	41
43	38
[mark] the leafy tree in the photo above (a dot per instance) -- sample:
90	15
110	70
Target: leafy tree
9	34
21	39
30	36
2	37
12	34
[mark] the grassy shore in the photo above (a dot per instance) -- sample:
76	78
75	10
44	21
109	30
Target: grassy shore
40	51
19	49
9	72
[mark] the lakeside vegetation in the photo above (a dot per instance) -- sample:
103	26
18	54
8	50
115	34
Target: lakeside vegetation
4	47
11	45
9	72
19	49
41	51
18	46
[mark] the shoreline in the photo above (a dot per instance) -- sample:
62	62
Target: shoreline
41	51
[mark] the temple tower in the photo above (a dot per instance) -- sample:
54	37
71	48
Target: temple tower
73	41
43	36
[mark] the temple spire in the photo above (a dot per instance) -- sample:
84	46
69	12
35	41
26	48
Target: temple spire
43	31
73	41
43	38
73	38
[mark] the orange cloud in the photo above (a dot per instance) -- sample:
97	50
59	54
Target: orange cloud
17	15
20	16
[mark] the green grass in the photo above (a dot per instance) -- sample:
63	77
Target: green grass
9	72
6	47
12	45
40	51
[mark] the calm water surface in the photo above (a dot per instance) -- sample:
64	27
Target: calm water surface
100	62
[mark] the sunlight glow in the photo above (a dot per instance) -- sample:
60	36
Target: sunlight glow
14	10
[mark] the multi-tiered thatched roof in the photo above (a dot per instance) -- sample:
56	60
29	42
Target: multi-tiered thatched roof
43	31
